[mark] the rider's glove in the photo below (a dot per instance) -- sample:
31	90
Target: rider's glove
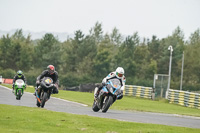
52	85
103	84
37	82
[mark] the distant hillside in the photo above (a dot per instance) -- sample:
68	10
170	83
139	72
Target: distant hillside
62	36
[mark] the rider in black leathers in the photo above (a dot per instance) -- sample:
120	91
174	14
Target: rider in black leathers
50	72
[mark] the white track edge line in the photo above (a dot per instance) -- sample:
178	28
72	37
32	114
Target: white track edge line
51	97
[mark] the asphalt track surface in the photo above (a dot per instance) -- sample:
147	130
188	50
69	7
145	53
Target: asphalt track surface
59	105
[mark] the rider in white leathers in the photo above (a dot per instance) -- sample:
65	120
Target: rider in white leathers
119	74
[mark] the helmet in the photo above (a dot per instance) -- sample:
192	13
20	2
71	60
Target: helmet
19	73
119	72
51	69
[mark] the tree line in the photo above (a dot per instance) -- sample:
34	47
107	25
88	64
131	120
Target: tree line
88	58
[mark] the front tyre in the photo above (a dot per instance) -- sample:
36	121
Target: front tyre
44	99
95	107
19	94
108	100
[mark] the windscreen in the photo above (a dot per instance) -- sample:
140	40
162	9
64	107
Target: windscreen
115	83
19	81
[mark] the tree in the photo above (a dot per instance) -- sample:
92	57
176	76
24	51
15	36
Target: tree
191	80
102	63
5	51
48	52
177	42
195	38
127	49
116	37
154	48
73	52
96	32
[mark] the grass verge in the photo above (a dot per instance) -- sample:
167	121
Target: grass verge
20	119
128	103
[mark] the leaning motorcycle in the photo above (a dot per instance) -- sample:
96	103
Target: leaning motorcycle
107	95
19	87
43	94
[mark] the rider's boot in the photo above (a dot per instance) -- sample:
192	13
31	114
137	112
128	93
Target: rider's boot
96	95
49	95
13	88
54	91
36	90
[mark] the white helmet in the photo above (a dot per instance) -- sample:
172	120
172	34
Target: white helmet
119	72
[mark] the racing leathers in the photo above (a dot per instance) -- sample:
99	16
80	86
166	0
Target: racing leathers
112	75
53	76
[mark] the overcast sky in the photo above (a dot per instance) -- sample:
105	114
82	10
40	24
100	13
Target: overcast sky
147	17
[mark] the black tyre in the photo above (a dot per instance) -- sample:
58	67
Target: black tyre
95	107
108	100
19	94
38	103
44	99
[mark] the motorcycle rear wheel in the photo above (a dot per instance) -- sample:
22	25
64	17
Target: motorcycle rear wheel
38	103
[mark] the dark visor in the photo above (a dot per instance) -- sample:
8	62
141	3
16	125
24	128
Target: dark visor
119	74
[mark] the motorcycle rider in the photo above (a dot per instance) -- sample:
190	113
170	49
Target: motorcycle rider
50	72
119	74
19	75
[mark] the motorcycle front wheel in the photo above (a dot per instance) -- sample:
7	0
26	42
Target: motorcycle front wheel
108	100
19	94
44	99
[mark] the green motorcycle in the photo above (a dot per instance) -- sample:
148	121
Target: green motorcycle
19	88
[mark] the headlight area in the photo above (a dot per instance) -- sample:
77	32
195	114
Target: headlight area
110	88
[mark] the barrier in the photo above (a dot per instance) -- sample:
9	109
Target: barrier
8	81
184	98
138	91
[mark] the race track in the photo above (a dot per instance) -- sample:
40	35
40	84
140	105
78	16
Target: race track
55	104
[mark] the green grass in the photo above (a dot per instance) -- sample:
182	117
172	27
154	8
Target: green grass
18	119
128	103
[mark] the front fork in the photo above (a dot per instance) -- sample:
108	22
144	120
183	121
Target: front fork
38	94
16	90
102	98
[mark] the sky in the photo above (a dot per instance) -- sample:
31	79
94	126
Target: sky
147	17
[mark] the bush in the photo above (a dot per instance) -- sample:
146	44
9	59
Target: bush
142	82
32	75
69	80
8	73
191	87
